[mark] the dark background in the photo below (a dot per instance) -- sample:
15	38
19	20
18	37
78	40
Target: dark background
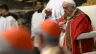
21	4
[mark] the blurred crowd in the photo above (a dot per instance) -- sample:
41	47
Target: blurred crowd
58	27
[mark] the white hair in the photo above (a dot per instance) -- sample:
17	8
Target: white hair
70	2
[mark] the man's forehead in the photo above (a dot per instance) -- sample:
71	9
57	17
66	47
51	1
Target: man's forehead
65	4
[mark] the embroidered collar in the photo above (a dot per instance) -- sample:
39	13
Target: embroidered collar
68	18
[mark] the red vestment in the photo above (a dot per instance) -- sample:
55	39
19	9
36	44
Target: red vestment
61	20
80	24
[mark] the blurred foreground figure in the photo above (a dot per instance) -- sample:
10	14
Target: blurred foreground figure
77	23
6	19
15	41
48	38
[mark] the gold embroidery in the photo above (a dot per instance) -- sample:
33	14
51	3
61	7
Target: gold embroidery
80	45
70	34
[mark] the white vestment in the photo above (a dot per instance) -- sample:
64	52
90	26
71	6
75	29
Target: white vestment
35	22
7	22
37	18
57	9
